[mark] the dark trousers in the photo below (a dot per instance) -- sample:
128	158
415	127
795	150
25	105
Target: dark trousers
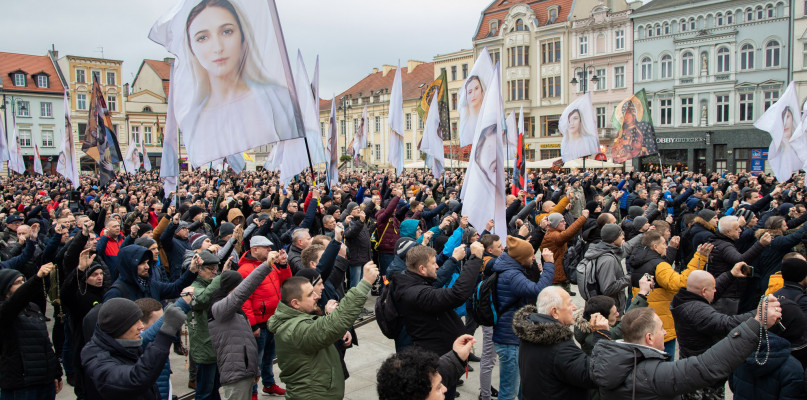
43	392
207	382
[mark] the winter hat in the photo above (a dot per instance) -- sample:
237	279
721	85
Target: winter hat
209	258
182	225
634	211
117	316
707	214
452	204
745	213
401	246
197	239
144	227
92	268
409	228
468	234
794	270
13	218
324	199
260	241
639	222
7	278
350	207
521	250
429	202
298	218
591	206
784	209
639	202
311	274
193	211
331	209
554	220
230	280
144	242
610	233
266	204
692	203
226	228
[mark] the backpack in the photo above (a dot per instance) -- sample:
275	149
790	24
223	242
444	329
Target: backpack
482	305
573	256
587	282
386	313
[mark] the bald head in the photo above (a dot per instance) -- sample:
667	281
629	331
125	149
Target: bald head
702	283
548	205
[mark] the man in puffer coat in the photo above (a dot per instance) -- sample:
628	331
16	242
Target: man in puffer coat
780	378
547	348
514	291
606	257
134	281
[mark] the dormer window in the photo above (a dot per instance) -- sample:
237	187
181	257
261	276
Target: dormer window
19	79
494	27
520	25
553	14
42	81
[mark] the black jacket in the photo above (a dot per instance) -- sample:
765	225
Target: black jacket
115	372
547	350
26	353
357	240
428	313
794	291
723	258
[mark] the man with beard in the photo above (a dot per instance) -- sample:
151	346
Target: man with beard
309	364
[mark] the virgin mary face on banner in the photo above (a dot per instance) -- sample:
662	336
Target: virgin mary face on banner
787	125
577	140
476	93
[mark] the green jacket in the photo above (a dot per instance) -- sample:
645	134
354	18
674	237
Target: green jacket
201	348
309	363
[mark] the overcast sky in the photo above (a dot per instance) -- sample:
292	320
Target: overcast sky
350	36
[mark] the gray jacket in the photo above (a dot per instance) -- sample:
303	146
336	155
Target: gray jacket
608	271
231	334
629	371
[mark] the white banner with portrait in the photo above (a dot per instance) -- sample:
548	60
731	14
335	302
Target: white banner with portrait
432	142
471	95
780	120
395	154
578	125
232	76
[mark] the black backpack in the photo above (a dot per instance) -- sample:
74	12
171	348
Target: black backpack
386	313
574	255
483	302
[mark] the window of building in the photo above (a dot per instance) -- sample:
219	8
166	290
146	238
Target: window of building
729	18
408	121
453	72
692	24
770	97
550	87
684	26
553	14
619	77
723	59
688	64
42	81
547	154
47	138
453	101
600	111
666	112
377	152
112	102
377	124
749	15
666	66
620	39
687	110
746	107
647	69
81	76
520	27
147	134
322	128
549	125
518	55
25	137
658	29
722	102
760	14
495	56
136	134
649	31
772	51
719	19
46	109
420	123
602	84
519	89
747	56
81	101
550	52
804	55
770	11
666	28
583	45
110	78
721	156
494	27
408	151
19	79
464	71
355	125
529	127
23	109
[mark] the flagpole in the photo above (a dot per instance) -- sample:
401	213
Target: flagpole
660	164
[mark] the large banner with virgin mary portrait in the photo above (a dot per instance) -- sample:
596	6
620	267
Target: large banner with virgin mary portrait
233	80
578	124
782	120
471	95
635	136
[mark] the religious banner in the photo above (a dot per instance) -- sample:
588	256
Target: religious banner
471	95
782	120
578	125
67	164
395	154
100	139
635	135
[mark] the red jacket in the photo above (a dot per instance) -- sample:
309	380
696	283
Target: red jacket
261	305
388	235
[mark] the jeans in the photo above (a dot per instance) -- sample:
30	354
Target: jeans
509	380
487	363
384	260
403	341
67	348
207	382
43	392
355	274
266	355
669	348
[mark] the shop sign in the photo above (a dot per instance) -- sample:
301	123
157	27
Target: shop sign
757	167
550	145
680	140
759	154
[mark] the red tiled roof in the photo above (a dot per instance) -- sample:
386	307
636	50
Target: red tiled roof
163	70
498	10
29	64
423	73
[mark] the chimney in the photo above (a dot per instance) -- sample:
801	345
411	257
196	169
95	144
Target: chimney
375	70
411	64
169	60
385	69
125	90
54	52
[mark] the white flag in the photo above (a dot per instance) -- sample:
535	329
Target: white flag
471	94
780	121
484	193
333	151
236	161
169	163
145	154
37	161
131	161
3	145
315	86
432	142
578	124
360	140
511	137
396	147
15	161
67	164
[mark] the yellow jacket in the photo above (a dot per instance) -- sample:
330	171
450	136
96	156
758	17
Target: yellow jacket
558	209
775	282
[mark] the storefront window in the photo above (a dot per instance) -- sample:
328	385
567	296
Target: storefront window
676	158
700	160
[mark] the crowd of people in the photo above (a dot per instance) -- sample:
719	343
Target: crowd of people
690	281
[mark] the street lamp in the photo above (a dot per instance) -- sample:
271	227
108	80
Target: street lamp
583	72
344	107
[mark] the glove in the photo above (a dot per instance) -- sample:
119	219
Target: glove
173	318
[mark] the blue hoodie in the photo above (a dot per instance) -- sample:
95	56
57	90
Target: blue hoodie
129	286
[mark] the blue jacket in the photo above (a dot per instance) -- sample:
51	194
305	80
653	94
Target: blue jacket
432	217
127	284
175	251
514	291
148	336
781	378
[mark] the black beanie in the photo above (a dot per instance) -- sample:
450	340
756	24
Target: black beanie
794	270
298	218
117	315
144	242
311	274
144	227
591	206
7	278
193	211
226	228
230	280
